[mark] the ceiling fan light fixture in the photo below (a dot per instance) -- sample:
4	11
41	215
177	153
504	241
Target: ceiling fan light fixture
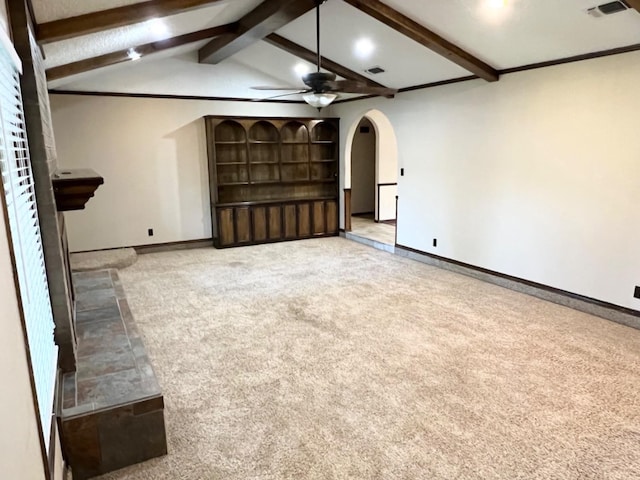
319	100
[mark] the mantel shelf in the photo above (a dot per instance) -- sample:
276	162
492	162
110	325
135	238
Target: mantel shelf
74	187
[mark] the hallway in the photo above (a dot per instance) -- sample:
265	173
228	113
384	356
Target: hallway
368	229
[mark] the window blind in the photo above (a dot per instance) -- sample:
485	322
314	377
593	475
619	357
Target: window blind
17	178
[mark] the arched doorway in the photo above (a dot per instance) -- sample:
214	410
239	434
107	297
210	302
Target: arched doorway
363	170
371	177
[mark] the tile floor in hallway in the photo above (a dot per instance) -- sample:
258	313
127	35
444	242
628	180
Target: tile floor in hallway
379	232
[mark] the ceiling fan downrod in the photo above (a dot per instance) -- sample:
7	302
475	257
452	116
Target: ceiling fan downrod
318	3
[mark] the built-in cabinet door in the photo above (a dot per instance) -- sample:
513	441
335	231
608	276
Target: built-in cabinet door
265	223
319	218
226	236
243	225
259	215
332	217
304	220
290	222
275	223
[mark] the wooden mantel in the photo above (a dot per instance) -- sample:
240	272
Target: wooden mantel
74	187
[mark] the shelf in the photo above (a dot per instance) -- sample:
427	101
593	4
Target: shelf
295	143
322	142
303	162
273	202
300	182
263	142
280	182
263	163
228	164
329	160
230	142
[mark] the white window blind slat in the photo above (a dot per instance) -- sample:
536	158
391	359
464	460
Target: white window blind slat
20	199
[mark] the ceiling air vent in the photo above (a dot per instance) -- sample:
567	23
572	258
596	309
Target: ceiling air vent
607	9
374	70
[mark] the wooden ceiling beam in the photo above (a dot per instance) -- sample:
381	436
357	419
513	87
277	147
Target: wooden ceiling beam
114	17
633	4
265	19
311	57
424	36
121	56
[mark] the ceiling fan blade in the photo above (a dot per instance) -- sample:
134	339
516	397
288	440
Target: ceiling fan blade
266	87
279	96
350	86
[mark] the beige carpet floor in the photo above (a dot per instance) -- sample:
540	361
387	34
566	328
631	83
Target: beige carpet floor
327	359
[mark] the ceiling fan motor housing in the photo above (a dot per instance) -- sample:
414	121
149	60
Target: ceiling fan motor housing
319	81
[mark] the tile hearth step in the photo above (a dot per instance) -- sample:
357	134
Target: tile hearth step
112	406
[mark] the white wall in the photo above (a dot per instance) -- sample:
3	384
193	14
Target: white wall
152	155
363	169
535	176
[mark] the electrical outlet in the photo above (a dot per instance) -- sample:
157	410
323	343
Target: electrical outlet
636	292
150	232
435	242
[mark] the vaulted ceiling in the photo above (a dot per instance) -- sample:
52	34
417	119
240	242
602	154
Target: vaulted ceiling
223	47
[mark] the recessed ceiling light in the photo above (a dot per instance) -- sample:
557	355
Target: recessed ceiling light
496	11
158	28
133	54
302	69
364	47
497	3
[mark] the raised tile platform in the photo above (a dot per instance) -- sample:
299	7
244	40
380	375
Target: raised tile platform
112	406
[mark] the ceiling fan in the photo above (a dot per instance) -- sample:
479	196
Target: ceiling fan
323	88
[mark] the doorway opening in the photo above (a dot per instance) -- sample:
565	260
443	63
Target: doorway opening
371	184
363	171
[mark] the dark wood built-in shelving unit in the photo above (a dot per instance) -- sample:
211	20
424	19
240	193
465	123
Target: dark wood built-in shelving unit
272	179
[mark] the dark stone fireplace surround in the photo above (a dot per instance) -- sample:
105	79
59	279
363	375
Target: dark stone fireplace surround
112	411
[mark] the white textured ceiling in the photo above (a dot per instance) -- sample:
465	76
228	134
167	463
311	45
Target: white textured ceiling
406	63
524	31
180	74
49	10
521	33
95	44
